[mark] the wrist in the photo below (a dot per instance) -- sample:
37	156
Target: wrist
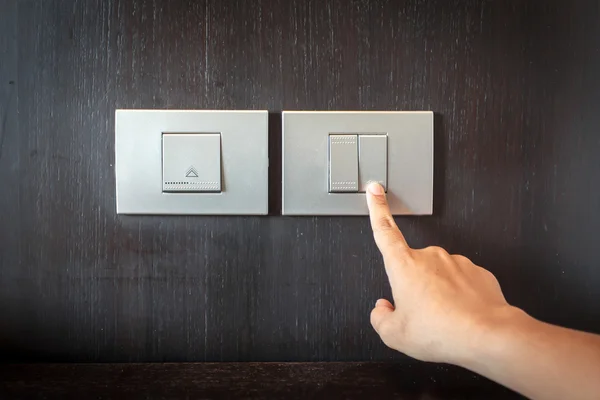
491	336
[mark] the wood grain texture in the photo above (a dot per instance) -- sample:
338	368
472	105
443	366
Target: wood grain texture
349	380
516	91
10	224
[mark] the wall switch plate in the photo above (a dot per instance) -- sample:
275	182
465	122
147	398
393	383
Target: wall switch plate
191	162
321	177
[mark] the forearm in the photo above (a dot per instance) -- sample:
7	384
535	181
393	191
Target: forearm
539	360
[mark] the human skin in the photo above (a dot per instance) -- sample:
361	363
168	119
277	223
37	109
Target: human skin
447	309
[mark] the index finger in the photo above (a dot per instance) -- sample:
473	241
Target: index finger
388	237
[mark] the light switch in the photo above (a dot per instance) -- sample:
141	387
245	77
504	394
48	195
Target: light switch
327	152
191	162
372	160
343	163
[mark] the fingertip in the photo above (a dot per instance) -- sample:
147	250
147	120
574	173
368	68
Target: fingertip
375	195
375	189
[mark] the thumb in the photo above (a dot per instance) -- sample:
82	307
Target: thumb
382	311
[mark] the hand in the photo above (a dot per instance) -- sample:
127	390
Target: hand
447	309
443	303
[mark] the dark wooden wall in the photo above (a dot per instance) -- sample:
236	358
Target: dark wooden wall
516	90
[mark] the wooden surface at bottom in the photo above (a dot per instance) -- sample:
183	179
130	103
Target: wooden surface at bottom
346	380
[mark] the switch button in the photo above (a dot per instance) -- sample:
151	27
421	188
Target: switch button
191	162
343	163
372	160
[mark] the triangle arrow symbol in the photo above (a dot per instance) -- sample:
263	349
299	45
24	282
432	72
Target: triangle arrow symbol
191	173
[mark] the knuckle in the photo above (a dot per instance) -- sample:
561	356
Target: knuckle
460	259
486	274
489	275
436	250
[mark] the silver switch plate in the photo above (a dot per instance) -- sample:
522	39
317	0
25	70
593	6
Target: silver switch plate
306	153
244	162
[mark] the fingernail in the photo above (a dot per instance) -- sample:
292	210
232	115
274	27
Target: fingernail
375	188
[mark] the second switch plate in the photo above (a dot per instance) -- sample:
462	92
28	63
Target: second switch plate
401	139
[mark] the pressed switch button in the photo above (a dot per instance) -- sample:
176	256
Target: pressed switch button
343	163
191	162
372	160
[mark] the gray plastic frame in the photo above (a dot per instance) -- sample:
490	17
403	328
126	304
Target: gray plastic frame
244	160
305	161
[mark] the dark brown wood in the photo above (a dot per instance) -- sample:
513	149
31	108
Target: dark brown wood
516	91
245	380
